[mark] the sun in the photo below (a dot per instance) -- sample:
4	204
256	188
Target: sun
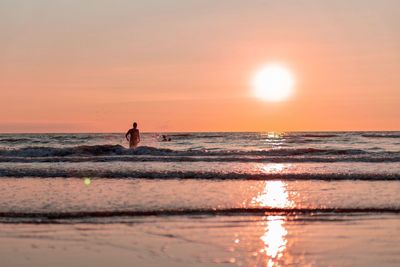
273	82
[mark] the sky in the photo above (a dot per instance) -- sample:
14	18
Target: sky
97	66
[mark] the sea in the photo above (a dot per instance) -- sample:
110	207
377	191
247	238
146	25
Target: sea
200	199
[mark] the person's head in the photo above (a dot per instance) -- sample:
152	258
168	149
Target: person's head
134	125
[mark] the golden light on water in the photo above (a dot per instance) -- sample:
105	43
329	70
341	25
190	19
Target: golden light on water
274	195
273	168
274	239
274	135
273	244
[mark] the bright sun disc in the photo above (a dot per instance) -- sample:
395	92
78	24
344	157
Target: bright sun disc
273	83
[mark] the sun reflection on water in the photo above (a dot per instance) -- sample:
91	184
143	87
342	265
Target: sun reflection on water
273	168
274	239
274	135
274	195
273	139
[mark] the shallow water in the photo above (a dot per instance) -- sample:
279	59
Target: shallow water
47	200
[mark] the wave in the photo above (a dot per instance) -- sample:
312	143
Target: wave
318	135
98	150
381	135
65	151
195	136
182	212
370	158
203	175
15	140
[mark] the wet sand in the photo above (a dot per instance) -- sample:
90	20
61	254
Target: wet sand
312	240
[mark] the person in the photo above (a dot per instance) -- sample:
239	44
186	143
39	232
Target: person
134	136
165	139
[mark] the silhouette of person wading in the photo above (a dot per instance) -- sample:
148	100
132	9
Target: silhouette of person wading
134	136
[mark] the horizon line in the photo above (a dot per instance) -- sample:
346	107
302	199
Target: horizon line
152	132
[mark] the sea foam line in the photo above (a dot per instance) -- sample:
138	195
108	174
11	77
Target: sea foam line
205	175
180	212
260	159
101	150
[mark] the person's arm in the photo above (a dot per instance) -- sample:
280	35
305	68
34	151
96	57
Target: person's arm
138	135
126	135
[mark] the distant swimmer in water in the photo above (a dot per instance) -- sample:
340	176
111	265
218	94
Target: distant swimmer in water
134	136
165	139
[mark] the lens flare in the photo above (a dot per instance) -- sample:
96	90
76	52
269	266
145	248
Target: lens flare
87	181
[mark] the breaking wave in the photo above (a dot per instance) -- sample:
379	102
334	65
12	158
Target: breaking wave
205	175
52	217
318	135
372	158
381	135
99	150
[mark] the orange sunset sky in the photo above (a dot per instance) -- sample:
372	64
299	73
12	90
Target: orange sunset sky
95	66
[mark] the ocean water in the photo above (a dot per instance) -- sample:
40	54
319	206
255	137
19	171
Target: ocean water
245	199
